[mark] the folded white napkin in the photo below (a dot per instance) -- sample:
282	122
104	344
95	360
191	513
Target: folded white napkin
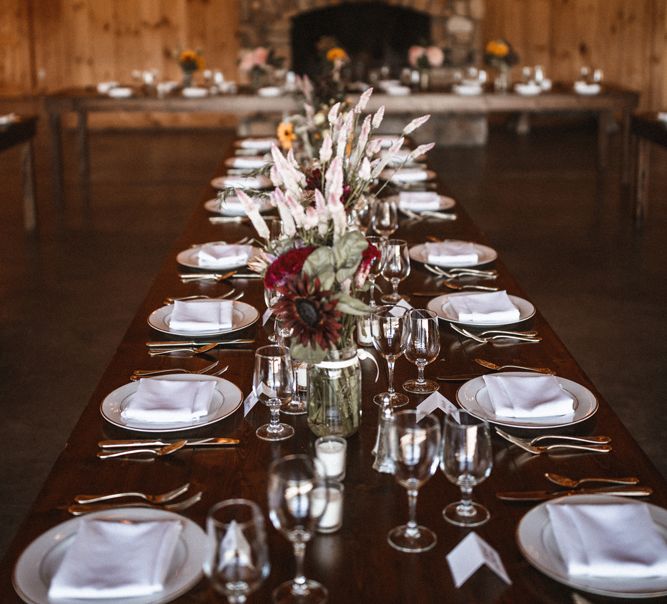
270	91
257	143
109	559
104	87
527	396
409	175
220	255
248	162
581	87
120	92
194	92
608	539
418	201
169	401
494	307
452	252
201	315
245	182
398	90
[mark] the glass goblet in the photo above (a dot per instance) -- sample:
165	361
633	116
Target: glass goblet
296	484
272	385
414	443
421	348
237	559
384	217
395	267
271	296
467	459
388	333
376	267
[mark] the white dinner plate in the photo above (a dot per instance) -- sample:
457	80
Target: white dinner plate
247	162
473	396
241	182
526	310
194	92
243	316
535	539
120	92
190	258
587	89
398	177
468	89
485	254
39	561
445	203
256	143
227	398
234	208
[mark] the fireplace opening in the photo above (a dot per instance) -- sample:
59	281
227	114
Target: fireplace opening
375	35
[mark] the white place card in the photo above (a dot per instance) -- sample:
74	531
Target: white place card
250	401
437	401
266	316
469	555
401	304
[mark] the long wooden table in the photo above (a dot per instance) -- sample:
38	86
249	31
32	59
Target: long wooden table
83	101
356	564
647	129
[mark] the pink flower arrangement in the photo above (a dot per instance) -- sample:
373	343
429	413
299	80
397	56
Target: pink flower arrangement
255	58
424	57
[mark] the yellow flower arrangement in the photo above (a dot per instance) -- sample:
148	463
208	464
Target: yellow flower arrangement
497	48
499	53
286	135
337	54
190	60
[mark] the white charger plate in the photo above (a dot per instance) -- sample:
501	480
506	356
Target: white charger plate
243	315
536	541
235	209
473	396
444	203
241	182
527	89
227	398
190	258
485	254
39	561
526	310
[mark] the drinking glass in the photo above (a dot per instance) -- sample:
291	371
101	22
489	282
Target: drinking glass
421	348
395	267
271	296
388	333
414	442
295	506
272	385
376	266
237	558
384	217
467	458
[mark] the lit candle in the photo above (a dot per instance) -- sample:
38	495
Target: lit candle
331	499
330	450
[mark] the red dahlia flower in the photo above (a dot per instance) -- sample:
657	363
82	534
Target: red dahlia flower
286	265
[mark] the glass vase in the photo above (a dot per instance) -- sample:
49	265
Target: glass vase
334	394
424	80
188	77
501	83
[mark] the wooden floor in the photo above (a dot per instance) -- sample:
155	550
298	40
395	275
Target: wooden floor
69	292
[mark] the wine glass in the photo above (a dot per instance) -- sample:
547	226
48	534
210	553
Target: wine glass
271	297
298	402
296	486
376	267
388	333
414	443
467	459
384	217
395	267
272	385
421	348
237	553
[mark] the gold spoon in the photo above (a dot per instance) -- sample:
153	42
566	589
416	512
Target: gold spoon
571	483
490	365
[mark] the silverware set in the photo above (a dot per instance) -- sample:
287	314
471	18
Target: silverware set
461	272
593	444
189	277
208	370
492	335
155	448
426	214
192	347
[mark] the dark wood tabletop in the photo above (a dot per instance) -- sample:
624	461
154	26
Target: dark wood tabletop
20	131
356	564
648	126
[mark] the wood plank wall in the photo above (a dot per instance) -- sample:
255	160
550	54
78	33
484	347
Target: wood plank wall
51	44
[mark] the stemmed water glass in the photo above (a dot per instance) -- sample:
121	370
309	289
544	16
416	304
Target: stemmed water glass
384	217
422	347
271	296
237	553
414	443
467	459
388	333
395	267
296	483
297	403
272	385
376	267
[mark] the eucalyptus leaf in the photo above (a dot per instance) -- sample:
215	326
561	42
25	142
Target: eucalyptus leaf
320	264
348	249
352	306
308	354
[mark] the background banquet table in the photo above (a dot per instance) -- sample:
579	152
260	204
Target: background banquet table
355	563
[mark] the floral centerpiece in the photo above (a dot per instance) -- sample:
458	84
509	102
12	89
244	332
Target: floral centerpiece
190	61
259	64
319	264
500	55
425	57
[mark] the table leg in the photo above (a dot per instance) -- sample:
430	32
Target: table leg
604	118
626	167
29	207
84	155
641	192
57	154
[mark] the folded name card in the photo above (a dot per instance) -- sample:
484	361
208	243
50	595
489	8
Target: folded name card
469	555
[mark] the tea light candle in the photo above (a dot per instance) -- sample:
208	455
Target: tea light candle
330	450
332	518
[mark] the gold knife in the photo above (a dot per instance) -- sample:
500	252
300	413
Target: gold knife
194	442
528	496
